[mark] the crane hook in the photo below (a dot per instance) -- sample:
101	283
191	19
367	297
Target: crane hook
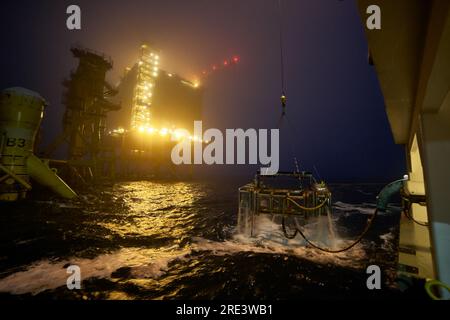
283	103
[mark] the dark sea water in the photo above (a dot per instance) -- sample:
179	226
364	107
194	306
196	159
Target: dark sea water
177	240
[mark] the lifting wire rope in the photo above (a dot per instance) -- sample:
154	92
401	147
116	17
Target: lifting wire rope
283	97
280	122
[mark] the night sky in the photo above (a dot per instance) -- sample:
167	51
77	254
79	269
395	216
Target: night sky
334	100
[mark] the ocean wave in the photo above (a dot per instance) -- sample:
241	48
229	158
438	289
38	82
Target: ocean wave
47	275
153	264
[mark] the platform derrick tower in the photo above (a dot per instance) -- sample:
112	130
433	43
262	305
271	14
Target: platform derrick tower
90	158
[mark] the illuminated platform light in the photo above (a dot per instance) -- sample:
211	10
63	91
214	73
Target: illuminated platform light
119	130
147	71
225	63
179	134
195	139
163	131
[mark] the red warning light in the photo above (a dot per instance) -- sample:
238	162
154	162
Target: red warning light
227	62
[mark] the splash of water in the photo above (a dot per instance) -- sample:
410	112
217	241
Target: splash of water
319	229
244	223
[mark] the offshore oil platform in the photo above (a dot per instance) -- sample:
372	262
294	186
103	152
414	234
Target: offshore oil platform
156	107
108	132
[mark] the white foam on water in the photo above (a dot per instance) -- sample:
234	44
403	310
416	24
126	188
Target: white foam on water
352	259
46	274
349	208
388	240
269	239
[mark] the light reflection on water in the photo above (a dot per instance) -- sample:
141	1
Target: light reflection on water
156	209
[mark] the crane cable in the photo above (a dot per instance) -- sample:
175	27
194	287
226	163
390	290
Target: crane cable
283	97
283	80
282	76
